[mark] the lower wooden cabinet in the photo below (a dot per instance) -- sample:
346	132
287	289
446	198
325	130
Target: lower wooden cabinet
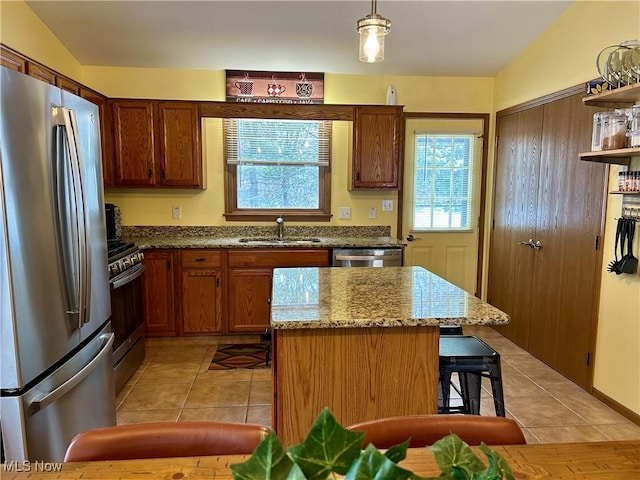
249	294
201	291
215	291
158	293
249	275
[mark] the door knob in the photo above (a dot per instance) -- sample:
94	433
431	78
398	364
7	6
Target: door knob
411	238
528	243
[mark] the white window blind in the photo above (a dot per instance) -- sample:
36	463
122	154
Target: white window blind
443	183
277	142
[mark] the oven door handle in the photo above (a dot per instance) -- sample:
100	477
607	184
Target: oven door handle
130	277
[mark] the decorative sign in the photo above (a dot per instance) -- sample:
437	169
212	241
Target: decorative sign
274	87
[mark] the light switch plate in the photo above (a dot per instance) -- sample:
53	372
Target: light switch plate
176	212
387	205
372	212
344	213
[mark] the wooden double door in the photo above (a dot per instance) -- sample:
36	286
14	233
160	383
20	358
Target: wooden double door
544	193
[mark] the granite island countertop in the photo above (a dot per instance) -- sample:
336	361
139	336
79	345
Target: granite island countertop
312	298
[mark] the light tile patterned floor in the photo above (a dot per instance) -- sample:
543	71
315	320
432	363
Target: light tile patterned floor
174	384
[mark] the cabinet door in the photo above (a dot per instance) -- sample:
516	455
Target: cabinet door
201	301
249	294
68	85
41	73
12	60
106	133
376	147
158	293
179	141
134	146
511	282
569	218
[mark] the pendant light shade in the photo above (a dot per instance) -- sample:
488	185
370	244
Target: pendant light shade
372	29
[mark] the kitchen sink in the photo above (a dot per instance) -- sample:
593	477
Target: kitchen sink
279	240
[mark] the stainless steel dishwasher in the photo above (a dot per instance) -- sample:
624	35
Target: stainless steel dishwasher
367	257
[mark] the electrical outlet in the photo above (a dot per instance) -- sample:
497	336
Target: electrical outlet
344	213
372	212
176	212
387	205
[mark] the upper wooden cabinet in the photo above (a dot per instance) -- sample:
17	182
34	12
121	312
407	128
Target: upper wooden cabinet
179	141
106	135
41	73
12	60
377	135
156	144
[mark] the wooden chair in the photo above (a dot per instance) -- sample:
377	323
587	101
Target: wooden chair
425	430
164	440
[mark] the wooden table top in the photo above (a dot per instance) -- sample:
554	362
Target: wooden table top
602	461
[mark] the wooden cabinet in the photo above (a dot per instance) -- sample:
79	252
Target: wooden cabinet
543	192
106	135
41	73
201	291
377	136
156	144
11	59
68	85
179	141
134	146
250	274
159	293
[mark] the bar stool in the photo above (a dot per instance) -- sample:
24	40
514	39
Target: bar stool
265	338
471	359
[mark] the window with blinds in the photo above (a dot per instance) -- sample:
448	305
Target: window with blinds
278	164
443	181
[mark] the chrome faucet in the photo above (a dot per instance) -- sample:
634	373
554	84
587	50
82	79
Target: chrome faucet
280	224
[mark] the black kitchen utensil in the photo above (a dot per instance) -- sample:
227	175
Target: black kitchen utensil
630	263
613	264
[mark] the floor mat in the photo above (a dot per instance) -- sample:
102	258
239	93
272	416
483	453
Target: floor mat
239	355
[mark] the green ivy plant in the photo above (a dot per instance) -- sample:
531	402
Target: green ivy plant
331	450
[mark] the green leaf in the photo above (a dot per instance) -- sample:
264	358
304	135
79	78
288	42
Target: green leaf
397	453
373	465
328	448
269	461
498	466
455	458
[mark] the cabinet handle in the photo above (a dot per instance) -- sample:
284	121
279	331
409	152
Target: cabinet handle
358	176
217	282
168	264
150	173
200	259
164	173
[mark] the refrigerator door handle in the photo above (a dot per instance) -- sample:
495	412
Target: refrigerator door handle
83	373
67	119
67	211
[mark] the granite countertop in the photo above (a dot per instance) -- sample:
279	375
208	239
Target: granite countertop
260	237
373	297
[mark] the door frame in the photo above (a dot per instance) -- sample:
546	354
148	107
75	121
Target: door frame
484	117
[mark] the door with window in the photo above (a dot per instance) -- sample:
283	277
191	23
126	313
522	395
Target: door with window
443	176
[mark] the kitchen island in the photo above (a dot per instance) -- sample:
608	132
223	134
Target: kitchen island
361	341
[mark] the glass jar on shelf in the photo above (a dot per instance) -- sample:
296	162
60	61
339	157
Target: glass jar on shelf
614	134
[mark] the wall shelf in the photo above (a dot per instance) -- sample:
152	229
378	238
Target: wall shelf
621	156
615	98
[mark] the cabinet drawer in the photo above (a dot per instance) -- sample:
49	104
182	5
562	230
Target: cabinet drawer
200	258
279	258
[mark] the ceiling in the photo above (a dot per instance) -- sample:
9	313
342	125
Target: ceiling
431	38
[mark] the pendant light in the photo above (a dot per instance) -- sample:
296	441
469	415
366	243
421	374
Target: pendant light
372	29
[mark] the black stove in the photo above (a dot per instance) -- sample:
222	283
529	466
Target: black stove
125	260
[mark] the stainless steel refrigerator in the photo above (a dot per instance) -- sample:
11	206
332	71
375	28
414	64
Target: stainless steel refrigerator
56	369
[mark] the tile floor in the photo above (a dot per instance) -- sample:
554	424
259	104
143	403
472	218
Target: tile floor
174	384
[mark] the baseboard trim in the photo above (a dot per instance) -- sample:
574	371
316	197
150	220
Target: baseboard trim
618	407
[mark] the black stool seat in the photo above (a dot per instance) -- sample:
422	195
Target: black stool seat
471	359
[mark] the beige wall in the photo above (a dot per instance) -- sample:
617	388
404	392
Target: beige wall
564	55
